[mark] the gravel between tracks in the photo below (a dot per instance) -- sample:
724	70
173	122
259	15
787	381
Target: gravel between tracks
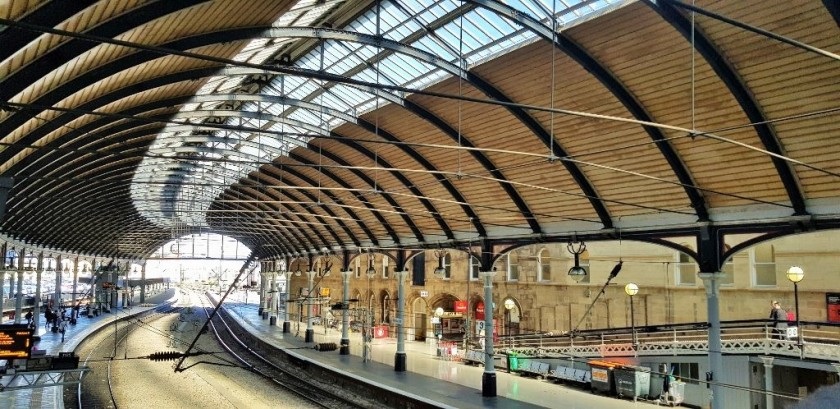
146	384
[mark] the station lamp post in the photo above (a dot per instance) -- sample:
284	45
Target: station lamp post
795	274
632	289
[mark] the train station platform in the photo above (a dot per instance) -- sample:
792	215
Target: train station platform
51	342
444	383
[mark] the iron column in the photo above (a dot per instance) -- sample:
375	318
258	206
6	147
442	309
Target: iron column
400	358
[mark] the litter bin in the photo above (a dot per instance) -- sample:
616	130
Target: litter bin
632	381
676	394
603	379
513	361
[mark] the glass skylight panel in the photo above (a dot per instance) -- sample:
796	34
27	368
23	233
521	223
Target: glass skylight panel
394	74
426	80
311	61
484	35
330	100
349	94
390	16
274	109
365	24
403	30
307	116
432	46
305	89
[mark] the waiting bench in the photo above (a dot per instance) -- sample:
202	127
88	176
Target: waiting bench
562	373
473	357
533	368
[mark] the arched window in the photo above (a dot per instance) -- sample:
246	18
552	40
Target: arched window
446	263
763	257
512	266
475	267
386	316
543	266
385	271
686	269
728	270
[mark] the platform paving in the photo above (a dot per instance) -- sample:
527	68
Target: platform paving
445	383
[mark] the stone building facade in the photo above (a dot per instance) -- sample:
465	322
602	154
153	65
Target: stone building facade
544	298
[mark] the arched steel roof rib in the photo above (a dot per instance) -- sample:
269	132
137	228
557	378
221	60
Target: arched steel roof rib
385	195
279	229
615	86
66	51
299	234
139	109
412	187
296	243
47	214
834	9
49	14
267	208
365	124
480	84
189	114
46	187
247	192
67	89
729	76
359	196
412	153
113	224
314	199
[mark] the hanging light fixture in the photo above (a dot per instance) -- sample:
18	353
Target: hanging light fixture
577	272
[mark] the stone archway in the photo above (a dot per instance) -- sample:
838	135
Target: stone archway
419	309
512	313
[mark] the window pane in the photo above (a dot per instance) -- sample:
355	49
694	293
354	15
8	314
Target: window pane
765	274
764	254
688	273
728	271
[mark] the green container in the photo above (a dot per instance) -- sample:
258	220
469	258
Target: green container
513	361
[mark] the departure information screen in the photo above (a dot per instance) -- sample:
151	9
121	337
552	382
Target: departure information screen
15	343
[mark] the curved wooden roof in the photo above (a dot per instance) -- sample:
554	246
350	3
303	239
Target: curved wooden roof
631	118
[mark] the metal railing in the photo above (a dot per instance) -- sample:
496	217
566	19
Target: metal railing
820	340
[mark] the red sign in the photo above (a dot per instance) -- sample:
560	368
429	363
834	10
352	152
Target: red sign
380	331
832	301
479	311
460	306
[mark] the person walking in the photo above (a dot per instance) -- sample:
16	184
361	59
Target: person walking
779	318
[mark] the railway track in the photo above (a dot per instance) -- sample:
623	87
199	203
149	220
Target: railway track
318	393
95	391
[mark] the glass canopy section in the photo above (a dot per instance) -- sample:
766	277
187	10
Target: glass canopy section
267	116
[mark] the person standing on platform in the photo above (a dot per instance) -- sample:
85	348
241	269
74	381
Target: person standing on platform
779	318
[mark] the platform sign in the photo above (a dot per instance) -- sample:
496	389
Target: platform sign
15	343
832	301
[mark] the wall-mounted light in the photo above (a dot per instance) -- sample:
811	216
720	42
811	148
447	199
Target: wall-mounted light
371	271
440	270
577	272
